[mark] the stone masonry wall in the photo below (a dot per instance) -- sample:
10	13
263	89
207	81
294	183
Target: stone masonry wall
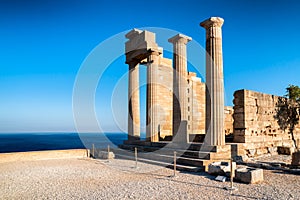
165	93
255	125
195	101
196	105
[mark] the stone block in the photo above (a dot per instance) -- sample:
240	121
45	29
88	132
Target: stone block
221	168
249	175
296	159
105	155
221	178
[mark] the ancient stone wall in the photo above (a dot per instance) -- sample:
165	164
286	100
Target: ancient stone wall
195	100
255	125
165	94
196	105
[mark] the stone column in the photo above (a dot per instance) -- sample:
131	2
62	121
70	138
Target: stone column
180	112
133	102
152	97
214	82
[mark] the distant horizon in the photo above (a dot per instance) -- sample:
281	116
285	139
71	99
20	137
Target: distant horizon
45	44
59	132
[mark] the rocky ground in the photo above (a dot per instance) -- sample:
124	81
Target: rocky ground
119	179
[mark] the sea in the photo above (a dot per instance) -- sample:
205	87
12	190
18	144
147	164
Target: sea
22	142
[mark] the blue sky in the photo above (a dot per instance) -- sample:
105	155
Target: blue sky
43	44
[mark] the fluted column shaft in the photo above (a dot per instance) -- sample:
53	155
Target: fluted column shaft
180	112
214	81
133	102
152	97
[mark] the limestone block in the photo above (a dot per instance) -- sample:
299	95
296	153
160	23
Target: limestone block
221	168
249	175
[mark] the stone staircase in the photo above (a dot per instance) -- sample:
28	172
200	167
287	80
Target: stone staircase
189	157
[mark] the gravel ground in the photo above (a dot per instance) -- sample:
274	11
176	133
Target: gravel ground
119	179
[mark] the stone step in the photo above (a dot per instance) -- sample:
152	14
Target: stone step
184	153
179	167
170	145
164	158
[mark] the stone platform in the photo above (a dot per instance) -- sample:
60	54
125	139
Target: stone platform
190	156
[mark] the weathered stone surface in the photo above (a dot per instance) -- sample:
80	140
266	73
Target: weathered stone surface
221	168
249	175
255	125
214	82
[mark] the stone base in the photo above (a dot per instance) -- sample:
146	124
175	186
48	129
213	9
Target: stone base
249	175
181	136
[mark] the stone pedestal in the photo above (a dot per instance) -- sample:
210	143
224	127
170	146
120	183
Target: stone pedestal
180	111
214	81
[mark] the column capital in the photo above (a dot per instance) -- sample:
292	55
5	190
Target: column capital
132	64
180	38
212	22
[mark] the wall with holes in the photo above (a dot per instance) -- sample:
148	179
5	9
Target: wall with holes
255	125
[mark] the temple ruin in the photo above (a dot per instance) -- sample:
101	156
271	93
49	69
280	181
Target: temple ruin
189	114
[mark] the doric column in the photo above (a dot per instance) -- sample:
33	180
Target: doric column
180	111
152	97
133	102
215	83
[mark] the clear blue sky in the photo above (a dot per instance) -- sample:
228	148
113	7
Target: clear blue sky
43	44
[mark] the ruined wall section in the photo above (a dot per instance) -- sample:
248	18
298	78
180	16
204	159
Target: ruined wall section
165	94
255	125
